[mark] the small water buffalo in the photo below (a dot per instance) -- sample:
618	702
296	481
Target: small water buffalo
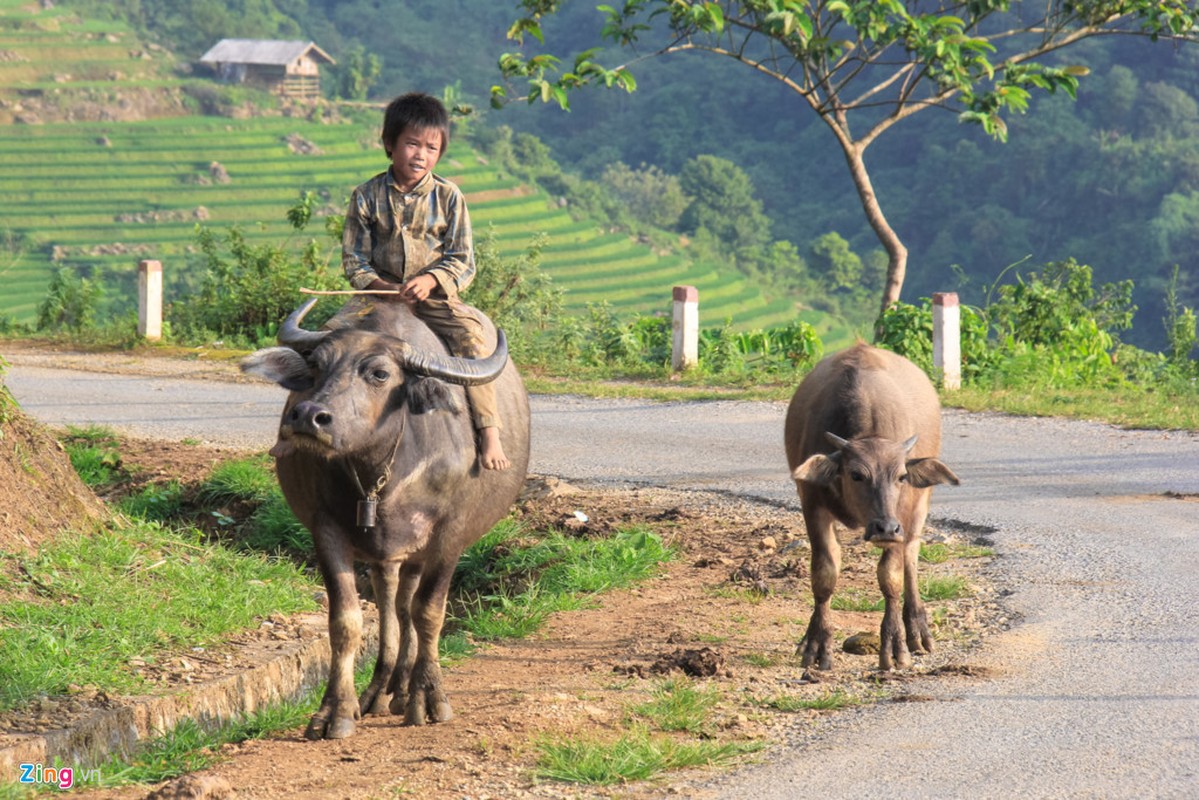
377	458
862	435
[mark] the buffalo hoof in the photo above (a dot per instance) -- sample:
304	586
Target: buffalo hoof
323	728
422	710
814	654
376	697
375	704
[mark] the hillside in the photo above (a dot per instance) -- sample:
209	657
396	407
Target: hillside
57	66
98	187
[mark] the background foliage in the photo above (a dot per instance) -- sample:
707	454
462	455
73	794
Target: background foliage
1111	180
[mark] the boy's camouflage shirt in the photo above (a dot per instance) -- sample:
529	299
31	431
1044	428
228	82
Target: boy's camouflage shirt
395	236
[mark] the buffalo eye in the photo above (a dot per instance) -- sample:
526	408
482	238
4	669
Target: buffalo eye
375	373
903	478
857	476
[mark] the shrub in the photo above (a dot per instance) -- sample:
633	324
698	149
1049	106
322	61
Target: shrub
1180	327
1041	309
515	292
246	290
908	331
71	303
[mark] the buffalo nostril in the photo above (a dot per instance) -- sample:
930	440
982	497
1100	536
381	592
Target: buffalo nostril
884	530
310	416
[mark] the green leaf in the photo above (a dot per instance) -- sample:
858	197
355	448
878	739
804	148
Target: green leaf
716	15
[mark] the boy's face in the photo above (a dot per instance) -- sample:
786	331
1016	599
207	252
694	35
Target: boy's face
414	154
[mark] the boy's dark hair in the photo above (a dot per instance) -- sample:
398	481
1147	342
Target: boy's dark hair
418	110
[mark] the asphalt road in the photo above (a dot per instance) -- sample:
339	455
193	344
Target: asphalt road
1095	691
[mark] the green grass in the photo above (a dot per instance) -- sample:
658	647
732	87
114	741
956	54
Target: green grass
1129	407
274	528
678	706
934	588
833	700
158	502
856	600
939	553
634	756
94	454
512	579
763	660
81	608
240	479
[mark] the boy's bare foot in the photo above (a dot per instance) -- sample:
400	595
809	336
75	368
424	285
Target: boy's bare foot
491	450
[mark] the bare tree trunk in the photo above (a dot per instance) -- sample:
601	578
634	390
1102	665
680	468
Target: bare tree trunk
897	254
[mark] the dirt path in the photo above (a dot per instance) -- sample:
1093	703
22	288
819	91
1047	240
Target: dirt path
731	607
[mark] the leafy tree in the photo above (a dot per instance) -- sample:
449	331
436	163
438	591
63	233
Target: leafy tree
1168	111
355	73
649	195
723	203
860	65
196	25
831	257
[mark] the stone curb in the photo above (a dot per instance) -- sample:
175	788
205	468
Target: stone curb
297	669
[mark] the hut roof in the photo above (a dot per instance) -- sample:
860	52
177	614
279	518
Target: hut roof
262	51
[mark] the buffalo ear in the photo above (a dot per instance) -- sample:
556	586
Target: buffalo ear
819	470
925	472
281	365
431	394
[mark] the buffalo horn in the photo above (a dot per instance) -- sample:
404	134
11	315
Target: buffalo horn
293	336
835	440
462	371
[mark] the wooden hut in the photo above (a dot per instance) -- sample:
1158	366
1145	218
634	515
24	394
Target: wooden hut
289	68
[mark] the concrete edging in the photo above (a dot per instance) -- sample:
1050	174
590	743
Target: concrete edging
298	668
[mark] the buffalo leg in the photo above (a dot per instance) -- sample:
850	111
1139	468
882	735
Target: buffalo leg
893	648
385	580
426	700
817	644
335	719
915	618
400	678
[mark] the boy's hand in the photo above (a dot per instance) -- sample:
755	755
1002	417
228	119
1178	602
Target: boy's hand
418	289
380	285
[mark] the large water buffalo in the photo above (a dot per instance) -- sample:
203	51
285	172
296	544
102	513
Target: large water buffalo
862	435
377	458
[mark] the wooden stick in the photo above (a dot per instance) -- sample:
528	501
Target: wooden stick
349	291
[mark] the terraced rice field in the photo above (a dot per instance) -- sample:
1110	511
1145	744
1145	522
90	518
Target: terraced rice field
100	196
